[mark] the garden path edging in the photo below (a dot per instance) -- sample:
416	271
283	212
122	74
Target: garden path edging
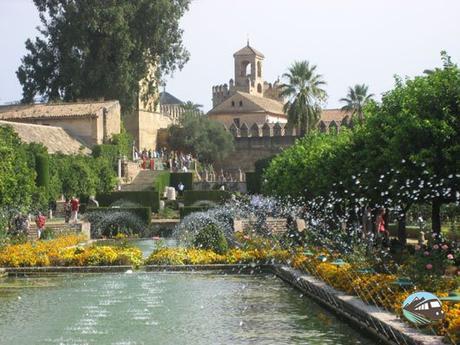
384	325
226	268
19	271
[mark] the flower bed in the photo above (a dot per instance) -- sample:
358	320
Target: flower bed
192	256
378	289
64	251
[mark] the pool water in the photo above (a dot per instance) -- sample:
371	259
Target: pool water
164	308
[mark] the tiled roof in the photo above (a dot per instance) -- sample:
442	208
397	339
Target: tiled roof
262	104
267	104
55	139
51	110
248	50
337	115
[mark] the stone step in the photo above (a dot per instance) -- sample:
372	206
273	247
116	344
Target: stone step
143	181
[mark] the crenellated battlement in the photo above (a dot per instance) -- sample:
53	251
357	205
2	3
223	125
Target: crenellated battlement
268	130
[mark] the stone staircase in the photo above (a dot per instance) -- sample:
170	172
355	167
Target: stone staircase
143	181
61	228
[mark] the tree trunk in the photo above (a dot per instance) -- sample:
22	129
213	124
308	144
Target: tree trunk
436	216
402	234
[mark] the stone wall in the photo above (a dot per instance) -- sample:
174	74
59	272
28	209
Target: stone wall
248	150
83	228
275	226
144	127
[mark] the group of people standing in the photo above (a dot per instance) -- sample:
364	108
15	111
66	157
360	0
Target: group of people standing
170	160
71	208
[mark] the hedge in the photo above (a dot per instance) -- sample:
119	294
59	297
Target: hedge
185	178
252	184
42	167
144	213
144	198
254	180
186	210
162	180
217	196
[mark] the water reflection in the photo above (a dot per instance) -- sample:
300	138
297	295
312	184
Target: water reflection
166	308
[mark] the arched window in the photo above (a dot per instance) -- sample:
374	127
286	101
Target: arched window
259	88
259	69
233	103
241	103
246	69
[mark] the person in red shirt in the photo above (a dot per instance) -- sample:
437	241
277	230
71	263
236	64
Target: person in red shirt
74	207
40	220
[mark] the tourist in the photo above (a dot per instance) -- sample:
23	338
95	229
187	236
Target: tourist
152	164
381	226
181	187
75	206
40	221
67	211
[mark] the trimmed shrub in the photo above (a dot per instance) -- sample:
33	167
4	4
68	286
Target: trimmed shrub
211	237
113	221
162	180
254	179
143	213
252	184
144	198
185	211
217	196
42	167
185	178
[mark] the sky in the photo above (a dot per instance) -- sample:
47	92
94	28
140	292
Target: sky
351	41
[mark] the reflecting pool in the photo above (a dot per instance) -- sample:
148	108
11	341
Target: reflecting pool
164	308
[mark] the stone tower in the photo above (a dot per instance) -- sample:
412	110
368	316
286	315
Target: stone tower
248	77
249	71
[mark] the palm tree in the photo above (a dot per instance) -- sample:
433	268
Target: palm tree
356	99
304	95
192	108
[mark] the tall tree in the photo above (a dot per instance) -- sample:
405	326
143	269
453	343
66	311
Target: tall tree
101	49
357	98
206	139
304	94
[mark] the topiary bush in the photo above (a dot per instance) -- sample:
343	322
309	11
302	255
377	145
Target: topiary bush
114	222
213	238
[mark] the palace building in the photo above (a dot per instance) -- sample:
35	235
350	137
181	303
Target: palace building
248	100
